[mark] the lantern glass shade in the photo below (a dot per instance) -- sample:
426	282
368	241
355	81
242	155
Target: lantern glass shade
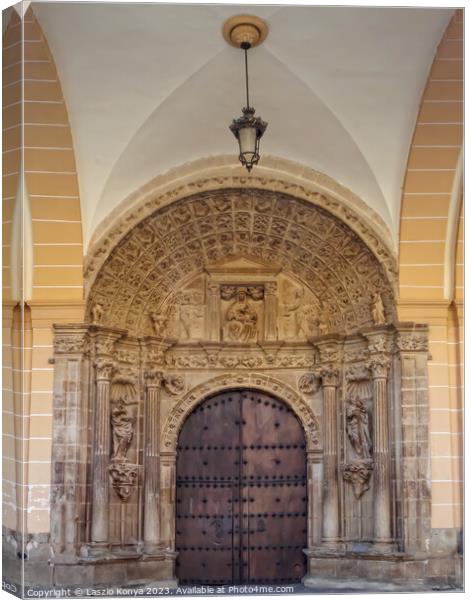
248	130
248	145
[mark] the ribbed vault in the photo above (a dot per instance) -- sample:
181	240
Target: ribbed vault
191	235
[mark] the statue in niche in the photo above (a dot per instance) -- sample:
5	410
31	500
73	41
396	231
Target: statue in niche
378	311
122	422
96	313
358	428
241	319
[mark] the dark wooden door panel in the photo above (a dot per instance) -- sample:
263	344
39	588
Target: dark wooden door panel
241	492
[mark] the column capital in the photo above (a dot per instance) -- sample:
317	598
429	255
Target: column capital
330	348
329	375
270	287
379	365
104	368
153	378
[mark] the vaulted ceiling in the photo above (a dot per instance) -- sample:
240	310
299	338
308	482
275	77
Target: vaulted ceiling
150	87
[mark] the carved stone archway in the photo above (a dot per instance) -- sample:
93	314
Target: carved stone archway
255	381
239	285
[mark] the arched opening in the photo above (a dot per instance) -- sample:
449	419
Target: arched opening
241	491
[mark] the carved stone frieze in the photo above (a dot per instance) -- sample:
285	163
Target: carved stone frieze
309	384
358	474
410	342
221	360
183	407
70	343
124	477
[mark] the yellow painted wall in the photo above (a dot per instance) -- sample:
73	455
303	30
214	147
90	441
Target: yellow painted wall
430	181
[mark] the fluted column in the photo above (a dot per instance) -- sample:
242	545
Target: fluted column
270	311
330	520
213	312
153	381
168	495
101	448
379	365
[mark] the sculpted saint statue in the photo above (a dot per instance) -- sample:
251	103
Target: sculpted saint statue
122	422
96	313
378	311
357	425
241	319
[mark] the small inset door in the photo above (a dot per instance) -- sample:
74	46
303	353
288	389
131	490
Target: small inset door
241	495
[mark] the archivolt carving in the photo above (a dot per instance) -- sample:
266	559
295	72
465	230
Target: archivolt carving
181	410
274	174
196	232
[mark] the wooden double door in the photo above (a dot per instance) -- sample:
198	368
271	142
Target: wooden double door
241	494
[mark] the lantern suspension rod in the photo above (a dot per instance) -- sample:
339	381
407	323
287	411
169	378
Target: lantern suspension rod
246	46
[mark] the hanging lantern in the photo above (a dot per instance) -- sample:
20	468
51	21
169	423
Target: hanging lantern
245	32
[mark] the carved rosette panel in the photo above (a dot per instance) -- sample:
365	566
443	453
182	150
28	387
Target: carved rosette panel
202	230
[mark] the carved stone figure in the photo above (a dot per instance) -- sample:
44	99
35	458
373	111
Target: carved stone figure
241	319
174	384
159	322
378	311
124	477
301	316
96	313
358	474
123	422
357	426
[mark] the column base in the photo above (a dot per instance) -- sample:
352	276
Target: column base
96	550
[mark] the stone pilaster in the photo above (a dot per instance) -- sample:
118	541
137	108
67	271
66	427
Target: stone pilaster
104	342
414	465
270	311
69	434
379	366
213	312
330	524
314	483
153	381
167	499
101	447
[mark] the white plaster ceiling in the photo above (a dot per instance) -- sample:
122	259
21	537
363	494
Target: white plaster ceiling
150	87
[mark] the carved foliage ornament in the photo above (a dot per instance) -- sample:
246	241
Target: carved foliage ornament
412	342
70	343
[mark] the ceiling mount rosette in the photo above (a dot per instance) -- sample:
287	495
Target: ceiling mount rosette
245	29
